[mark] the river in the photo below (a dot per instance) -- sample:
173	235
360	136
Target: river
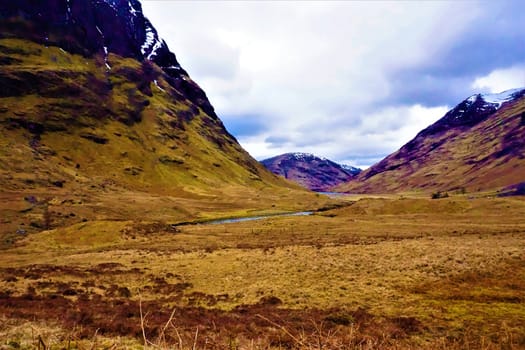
259	217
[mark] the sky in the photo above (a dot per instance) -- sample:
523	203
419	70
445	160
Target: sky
350	81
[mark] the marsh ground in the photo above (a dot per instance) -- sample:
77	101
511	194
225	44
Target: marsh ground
371	273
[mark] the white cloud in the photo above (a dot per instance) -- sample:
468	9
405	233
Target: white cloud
314	74
381	132
501	79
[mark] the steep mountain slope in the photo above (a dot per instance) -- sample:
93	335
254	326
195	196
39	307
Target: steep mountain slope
99	121
317	174
97	28
478	145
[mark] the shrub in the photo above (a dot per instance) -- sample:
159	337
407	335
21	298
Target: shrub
340	318
439	194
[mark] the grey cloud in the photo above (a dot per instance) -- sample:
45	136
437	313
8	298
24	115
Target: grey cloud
338	78
420	87
494	40
277	141
225	63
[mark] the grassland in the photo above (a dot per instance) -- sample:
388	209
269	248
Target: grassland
385	273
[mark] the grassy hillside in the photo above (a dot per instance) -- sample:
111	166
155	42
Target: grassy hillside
487	156
110	139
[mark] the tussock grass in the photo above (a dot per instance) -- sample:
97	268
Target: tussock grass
424	273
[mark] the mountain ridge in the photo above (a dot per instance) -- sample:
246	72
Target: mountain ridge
310	171
111	129
477	145
99	27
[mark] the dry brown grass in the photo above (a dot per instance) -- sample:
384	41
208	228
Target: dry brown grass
378	273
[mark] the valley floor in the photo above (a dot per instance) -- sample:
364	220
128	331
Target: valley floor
369	274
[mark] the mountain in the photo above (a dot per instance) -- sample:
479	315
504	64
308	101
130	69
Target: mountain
97	28
478	145
351	169
98	121
317	174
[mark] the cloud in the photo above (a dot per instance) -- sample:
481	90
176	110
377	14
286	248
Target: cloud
344	80
501	79
379	133
489	40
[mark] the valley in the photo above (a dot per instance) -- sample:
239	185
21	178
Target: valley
385	273
131	218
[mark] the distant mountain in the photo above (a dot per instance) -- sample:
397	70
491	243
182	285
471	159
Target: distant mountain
477	145
317	174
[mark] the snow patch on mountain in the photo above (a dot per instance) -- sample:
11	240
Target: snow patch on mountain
112	6
351	169
132	10
502	97
153	52
302	156
306	156
99	31
106	53
68	14
158	86
496	99
150	40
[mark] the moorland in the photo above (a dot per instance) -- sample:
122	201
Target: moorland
364	272
114	165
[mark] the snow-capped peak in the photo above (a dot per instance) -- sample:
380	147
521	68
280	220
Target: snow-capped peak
304	156
349	167
473	110
496	99
502	97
